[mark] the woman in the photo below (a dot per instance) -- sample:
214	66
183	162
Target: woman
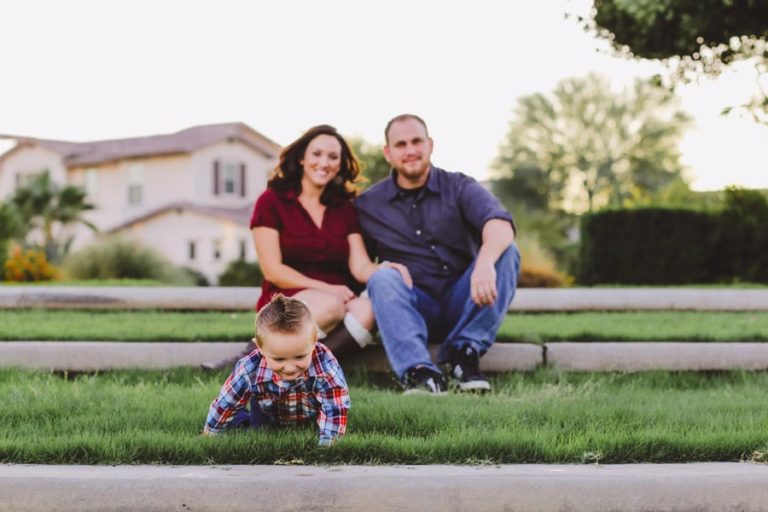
308	239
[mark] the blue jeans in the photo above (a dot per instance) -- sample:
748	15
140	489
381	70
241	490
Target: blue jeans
408	318
250	418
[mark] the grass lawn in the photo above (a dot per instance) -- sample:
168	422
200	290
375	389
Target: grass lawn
38	324
543	417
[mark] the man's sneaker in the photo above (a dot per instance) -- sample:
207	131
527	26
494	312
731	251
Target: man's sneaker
424	381
465	371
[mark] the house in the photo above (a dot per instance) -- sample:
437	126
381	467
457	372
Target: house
187	194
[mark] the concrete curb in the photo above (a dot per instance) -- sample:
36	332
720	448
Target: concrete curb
644	356
110	355
104	355
699	487
502	357
526	299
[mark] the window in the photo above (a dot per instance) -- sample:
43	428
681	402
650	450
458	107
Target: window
192	248
24	178
91	181
134	194
217	249
228	178
135	184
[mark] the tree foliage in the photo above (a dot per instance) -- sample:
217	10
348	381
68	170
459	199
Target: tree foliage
374	165
47	212
584	146
660	29
694	37
9	229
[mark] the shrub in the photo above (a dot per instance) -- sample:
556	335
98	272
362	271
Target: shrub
117	258
241	273
648	246
28	265
196	276
742	240
537	265
9	224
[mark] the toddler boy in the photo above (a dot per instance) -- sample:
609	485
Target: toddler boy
288	378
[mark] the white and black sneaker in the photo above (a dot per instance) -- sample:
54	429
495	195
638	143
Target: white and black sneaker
465	371
424	381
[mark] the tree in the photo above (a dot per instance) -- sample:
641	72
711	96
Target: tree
528	187
590	147
373	165
694	37
9	229
48	211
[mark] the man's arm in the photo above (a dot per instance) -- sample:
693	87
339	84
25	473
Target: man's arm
497	236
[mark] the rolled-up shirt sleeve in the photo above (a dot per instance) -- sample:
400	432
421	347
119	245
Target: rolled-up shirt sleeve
333	395
478	206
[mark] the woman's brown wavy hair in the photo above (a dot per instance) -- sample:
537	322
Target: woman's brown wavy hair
288	173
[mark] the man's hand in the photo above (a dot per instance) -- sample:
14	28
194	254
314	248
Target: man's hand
400	268
482	283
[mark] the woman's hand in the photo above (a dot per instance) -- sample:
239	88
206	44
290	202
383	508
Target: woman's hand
343	293
400	268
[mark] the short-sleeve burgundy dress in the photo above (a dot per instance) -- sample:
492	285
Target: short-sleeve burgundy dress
319	253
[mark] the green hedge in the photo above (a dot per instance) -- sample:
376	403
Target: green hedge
242	273
675	246
742	242
647	246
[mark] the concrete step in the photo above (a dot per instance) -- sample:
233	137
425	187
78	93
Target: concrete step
643	356
698	487
101	355
527	299
566	356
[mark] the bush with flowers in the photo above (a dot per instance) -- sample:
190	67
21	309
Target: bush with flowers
28	265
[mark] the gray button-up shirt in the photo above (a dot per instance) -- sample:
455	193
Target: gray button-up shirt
436	233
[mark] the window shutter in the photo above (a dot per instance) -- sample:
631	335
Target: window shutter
215	177
242	180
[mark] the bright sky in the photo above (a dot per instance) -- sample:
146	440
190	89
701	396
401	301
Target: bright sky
94	69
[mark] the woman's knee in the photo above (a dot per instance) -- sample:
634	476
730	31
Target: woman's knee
326	309
362	310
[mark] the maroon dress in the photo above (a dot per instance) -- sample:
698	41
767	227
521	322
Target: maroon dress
318	253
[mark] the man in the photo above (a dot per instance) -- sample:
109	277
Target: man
457	242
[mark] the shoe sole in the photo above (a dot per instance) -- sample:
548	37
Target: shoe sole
474	387
424	392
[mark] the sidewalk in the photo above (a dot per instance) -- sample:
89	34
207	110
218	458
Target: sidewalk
698	487
526	299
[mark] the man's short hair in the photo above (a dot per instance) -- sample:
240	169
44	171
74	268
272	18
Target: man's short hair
403	117
284	315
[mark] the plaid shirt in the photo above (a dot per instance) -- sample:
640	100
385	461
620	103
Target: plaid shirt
321	394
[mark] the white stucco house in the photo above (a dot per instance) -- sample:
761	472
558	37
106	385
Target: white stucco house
187	194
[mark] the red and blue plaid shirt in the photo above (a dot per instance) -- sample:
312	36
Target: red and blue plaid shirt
321	394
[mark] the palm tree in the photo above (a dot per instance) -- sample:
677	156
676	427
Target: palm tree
48	212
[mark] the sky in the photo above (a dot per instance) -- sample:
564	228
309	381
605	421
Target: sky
89	70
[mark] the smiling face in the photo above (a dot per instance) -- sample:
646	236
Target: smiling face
408	151
321	162
289	354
